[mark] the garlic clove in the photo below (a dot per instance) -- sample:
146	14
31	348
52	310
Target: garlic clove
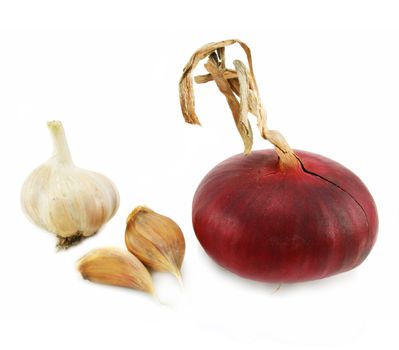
114	266
66	200
156	240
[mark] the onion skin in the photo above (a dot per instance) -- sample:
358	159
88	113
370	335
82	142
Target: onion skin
275	224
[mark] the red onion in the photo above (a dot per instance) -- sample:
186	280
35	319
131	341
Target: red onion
276	216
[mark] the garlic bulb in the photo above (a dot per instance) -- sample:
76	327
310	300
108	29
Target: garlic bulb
66	200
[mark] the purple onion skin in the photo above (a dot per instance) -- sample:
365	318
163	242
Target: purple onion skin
292	225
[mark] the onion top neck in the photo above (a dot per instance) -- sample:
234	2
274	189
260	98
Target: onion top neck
241	92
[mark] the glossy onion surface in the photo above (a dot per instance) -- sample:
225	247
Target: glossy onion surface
284	226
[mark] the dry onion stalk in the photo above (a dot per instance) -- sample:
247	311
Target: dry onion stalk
239	83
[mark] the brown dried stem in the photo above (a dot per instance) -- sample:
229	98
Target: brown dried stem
227	74
241	92
243	128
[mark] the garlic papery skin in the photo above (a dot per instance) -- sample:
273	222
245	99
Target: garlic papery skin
66	200
115	267
156	240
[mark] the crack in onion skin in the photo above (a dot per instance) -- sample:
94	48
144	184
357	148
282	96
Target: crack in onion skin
284	225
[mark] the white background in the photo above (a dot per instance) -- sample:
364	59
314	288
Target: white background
328	73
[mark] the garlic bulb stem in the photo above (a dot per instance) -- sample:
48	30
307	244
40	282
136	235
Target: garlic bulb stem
60	144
